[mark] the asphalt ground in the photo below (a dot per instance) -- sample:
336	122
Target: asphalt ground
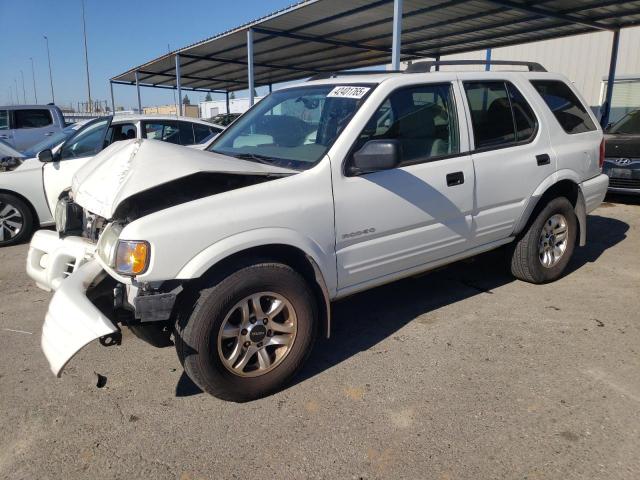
462	373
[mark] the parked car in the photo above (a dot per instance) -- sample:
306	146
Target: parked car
622	162
321	190
30	188
22	126
224	119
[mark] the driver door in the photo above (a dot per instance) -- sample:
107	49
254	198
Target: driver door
74	153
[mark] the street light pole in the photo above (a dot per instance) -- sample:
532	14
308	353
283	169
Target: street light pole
17	96
33	74
86	55
24	94
53	98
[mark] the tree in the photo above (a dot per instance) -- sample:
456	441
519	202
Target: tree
208	97
186	100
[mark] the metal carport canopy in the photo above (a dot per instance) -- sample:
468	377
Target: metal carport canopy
327	35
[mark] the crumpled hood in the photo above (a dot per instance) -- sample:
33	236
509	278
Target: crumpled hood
128	167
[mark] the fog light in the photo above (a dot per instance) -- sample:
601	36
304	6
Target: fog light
132	257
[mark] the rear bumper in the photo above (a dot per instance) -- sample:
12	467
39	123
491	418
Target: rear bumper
594	191
72	321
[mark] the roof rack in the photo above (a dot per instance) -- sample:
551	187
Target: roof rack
426	66
325	75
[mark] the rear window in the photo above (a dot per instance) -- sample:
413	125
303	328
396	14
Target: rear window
32	118
566	107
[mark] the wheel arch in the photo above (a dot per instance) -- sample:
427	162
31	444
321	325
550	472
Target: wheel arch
293	256
562	183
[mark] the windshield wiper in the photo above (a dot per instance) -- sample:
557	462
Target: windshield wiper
254	157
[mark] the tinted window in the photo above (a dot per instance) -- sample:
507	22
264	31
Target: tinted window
525	119
186	133
202	132
627	125
122	131
564	104
4	120
490	113
165	130
32	118
422	118
500	114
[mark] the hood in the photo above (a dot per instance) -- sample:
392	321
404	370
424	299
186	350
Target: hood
129	167
622	146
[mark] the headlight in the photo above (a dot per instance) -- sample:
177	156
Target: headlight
108	243
132	257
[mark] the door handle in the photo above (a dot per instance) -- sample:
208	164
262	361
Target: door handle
455	178
48	134
4	136
543	159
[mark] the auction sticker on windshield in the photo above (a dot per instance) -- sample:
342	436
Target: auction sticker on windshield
348	92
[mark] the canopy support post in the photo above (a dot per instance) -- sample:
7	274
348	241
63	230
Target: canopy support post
396	47
113	103
178	85
487	67
138	91
606	112
250	65
226	97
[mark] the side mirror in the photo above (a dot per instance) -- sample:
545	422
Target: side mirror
45	156
376	155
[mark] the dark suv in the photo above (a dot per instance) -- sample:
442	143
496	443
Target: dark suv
622	154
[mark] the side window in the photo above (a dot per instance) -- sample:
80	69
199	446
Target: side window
89	140
32	118
202	132
422	118
490	114
564	104
523	116
121	131
165	130
500	114
186	133
4	120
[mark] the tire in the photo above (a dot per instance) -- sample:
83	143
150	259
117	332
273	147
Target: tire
207	356
16	220
526	254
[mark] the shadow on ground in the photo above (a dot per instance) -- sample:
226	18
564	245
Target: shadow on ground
363	320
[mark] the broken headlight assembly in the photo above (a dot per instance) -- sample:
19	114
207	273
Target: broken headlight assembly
127	257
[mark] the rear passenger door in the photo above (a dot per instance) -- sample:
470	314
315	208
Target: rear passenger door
511	154
30	126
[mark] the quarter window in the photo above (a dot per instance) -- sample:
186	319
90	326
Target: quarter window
500	115
423	120
166	131
566	107
32	118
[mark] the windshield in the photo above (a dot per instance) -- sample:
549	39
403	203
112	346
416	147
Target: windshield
627	125
49	142
292	128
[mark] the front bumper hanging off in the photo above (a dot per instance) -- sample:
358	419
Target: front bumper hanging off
72	321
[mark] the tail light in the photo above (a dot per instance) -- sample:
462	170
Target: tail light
601	159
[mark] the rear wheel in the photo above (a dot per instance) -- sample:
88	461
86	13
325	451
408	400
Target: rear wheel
543	251
16	220
247	335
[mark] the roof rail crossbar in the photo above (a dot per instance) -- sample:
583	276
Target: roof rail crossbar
424	67
325	75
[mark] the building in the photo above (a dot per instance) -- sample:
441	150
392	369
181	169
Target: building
214	107
584	59
171	109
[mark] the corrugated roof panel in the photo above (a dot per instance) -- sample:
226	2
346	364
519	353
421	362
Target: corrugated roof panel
325	35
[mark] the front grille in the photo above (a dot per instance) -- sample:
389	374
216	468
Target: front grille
624	183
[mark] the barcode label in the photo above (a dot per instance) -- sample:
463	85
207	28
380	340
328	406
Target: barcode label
348	92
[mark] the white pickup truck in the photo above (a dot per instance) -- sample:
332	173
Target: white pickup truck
321	190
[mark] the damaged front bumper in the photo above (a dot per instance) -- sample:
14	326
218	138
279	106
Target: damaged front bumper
72	320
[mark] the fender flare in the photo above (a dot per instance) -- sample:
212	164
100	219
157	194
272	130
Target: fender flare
543	187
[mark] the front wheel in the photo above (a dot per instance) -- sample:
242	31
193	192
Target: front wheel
16	220
543	251
246	336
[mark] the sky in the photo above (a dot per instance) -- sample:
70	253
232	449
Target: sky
120	34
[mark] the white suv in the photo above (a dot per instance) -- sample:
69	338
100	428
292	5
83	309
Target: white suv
321	190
